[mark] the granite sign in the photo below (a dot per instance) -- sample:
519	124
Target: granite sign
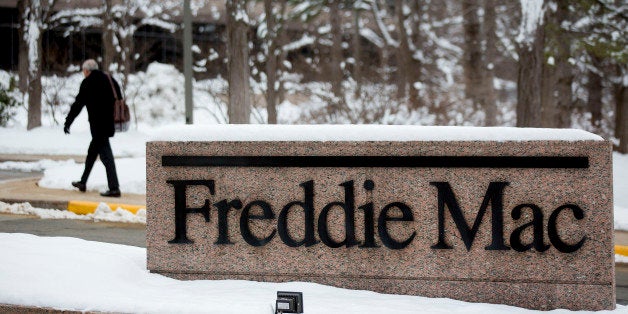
526	222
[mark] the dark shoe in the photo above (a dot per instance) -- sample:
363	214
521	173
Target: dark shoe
80	185
111	193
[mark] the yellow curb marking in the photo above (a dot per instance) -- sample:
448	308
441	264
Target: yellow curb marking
621	250
83	208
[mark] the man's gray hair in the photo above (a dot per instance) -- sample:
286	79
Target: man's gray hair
90	65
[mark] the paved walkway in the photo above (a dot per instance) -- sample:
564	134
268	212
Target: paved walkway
24	188
27	190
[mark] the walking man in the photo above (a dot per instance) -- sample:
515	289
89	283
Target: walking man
96	94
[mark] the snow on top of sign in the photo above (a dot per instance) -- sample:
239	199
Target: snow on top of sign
402	133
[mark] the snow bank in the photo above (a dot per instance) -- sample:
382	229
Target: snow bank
102	213
74	274
52	141
621	259
131	176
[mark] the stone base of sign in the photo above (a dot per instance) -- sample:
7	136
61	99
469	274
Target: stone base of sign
535	232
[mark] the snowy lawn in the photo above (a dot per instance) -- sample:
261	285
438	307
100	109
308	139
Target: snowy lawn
74	274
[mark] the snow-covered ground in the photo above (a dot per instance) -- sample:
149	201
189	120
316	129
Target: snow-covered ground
67	273
73	274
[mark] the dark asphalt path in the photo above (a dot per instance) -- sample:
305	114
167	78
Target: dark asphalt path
621	283
119	233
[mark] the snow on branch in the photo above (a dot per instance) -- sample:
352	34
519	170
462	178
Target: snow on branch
304	41
382	26
75	15
371	36
169	26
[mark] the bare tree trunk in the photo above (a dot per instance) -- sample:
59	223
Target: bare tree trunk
490	35
621	117
23	46
529	81
403	53
271	63
548	99
35	17
283	53
33	40
239	107
34	90
357	53
531	42
594	88
273	57
564	101
416	66
385	52
336	55
385	55
564	74
472	64
108	51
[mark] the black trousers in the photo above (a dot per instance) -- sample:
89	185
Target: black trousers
101	147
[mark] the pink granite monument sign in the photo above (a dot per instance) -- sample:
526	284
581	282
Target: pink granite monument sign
502	215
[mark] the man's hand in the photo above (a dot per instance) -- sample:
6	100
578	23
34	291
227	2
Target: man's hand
66	129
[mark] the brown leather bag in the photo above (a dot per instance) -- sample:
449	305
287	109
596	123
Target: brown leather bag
121	113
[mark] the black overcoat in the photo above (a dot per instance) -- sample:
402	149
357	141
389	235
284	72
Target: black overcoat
96	94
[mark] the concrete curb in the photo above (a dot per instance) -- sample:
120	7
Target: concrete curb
85	207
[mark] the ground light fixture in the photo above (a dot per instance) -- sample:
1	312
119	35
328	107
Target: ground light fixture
289	302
